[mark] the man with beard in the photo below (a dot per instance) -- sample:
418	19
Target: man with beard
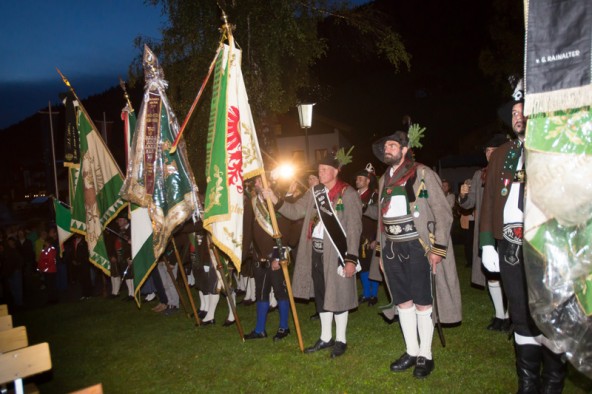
414	221
326	261
502	219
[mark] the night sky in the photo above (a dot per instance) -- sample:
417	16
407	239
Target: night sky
91	42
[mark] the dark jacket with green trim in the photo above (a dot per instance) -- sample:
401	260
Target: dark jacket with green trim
492	206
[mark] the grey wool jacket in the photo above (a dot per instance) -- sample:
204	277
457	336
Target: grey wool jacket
340	293
434	208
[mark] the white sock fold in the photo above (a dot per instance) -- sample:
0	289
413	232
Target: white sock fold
408	321
230	314
340	326
425	327
115	284
326	326
523	340
130	287
497	297
214	298
202	301
272	299
250	291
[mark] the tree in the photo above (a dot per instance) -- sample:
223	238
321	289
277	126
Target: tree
280	42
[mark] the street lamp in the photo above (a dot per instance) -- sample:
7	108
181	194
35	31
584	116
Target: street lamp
305	117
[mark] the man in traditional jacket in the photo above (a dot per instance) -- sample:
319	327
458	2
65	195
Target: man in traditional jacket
327	261
414	221
502	219
268	274
469	198
121	257
366	186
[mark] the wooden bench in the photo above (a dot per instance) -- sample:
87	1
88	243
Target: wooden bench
13	338
21	363
3	310
5	322
96	389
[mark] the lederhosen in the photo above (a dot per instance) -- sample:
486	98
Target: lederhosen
405	263
265	251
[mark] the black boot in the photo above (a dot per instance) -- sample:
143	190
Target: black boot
554	371
528	366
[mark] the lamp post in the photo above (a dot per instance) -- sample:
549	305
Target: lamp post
305	117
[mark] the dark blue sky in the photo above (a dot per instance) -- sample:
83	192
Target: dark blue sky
90	41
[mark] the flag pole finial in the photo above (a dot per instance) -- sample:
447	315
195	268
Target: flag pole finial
127	99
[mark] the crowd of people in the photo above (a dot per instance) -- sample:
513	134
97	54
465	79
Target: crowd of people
395	230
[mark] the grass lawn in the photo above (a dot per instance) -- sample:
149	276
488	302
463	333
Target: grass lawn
138	351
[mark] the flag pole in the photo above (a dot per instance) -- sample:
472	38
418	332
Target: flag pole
199	93
55	171
187	289
227	27
222	268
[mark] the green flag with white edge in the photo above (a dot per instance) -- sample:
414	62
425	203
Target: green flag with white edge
63	219
94	190
233	155
143	259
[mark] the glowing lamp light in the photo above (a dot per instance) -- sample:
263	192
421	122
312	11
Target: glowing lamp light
283	171
305	115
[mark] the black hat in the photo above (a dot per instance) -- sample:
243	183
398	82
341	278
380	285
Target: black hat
398	136
495	141
330	160
368	171
505	111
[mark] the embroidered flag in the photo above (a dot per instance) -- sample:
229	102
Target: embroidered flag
233	155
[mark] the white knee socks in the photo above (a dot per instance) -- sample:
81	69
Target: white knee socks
326	326
341	326
425	327
214	298
495	291
408	321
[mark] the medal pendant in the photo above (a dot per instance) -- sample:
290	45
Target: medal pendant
415	214
504	191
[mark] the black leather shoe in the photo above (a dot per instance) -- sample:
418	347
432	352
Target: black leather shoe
372	301
403	363
272	309
315	316
256	335
387	320
208	322
201	314
281	334
338	349
248	302
506	325
363	299
228	323
423	367
496	324
320	345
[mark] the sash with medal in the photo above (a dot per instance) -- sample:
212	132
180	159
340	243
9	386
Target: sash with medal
332	226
